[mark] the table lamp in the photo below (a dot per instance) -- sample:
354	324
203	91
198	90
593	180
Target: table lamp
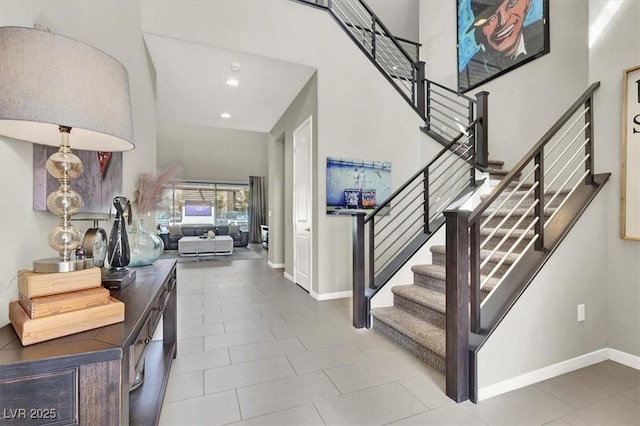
58	91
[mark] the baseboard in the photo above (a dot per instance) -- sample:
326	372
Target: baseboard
543	374
289	277
624	358
330	296
275	265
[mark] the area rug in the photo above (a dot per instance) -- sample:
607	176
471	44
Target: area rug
239	253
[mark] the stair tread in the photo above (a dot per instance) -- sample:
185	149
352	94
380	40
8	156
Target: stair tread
420	331
511	258
496	162
501	232
517	212
421	295
522	191
497	171
439	272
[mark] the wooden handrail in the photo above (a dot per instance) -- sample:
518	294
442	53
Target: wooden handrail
517	169
463	267
419	172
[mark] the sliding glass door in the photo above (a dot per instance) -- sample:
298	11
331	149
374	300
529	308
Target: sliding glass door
204	203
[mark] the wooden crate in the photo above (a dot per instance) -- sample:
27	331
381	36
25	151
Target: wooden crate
34	284
54	304
36	330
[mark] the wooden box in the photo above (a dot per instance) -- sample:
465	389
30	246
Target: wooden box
46	328
33	284
54	304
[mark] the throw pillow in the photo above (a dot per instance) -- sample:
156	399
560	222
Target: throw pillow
233	229
175	231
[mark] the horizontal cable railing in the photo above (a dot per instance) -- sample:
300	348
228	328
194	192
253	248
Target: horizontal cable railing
364	26
512	220
445	111
396	58
408	217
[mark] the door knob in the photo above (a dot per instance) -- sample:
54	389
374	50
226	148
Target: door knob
307	229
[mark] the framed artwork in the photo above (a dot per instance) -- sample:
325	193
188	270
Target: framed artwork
356	184
497	36
630	179
99	183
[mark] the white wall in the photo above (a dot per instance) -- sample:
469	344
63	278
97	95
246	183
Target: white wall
113	27
399	16
359	114
520	109
616	49
212	154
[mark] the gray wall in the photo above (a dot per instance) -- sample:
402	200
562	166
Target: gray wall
212	154
281	173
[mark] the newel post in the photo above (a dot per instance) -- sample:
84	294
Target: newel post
482	129
420	88
360	313
457	294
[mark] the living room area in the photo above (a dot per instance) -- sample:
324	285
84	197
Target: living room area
195	217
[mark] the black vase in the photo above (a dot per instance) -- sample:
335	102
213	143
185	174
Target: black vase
119	254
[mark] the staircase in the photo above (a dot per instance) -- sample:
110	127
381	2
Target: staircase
494	252
417	319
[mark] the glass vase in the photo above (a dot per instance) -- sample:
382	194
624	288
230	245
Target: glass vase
145	246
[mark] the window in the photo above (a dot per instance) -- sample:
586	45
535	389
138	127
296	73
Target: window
205	202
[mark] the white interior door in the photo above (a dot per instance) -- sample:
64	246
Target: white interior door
302	204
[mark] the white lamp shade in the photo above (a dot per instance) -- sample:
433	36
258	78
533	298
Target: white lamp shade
48	80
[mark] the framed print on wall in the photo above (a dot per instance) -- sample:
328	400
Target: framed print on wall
497	36
354	184
99	183
630	179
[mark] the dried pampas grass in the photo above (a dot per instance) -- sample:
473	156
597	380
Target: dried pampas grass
150	189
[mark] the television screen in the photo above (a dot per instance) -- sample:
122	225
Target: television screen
197	210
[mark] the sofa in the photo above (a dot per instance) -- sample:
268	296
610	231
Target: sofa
170	239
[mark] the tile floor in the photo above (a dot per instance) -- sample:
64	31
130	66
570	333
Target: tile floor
255	349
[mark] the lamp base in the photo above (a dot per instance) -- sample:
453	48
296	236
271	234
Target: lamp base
54	264
117	278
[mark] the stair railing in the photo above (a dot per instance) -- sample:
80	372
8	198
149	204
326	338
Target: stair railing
404	71
505	226
448	112
386	238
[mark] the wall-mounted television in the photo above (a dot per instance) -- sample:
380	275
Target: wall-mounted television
197	210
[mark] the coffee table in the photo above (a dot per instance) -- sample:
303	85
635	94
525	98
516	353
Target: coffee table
196	246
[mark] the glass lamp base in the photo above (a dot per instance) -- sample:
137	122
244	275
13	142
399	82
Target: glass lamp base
54	264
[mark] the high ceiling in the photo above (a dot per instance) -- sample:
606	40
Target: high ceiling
192	85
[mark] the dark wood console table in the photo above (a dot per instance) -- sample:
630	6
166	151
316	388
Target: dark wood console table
85	378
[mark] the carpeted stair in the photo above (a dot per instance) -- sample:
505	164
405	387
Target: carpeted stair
417	319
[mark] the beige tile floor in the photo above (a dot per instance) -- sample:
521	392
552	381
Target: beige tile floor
255	349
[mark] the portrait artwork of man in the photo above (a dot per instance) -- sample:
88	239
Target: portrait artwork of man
495	36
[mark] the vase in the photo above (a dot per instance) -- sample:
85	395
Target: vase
145	247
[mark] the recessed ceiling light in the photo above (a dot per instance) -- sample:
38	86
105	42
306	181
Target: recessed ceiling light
225	115
232	82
